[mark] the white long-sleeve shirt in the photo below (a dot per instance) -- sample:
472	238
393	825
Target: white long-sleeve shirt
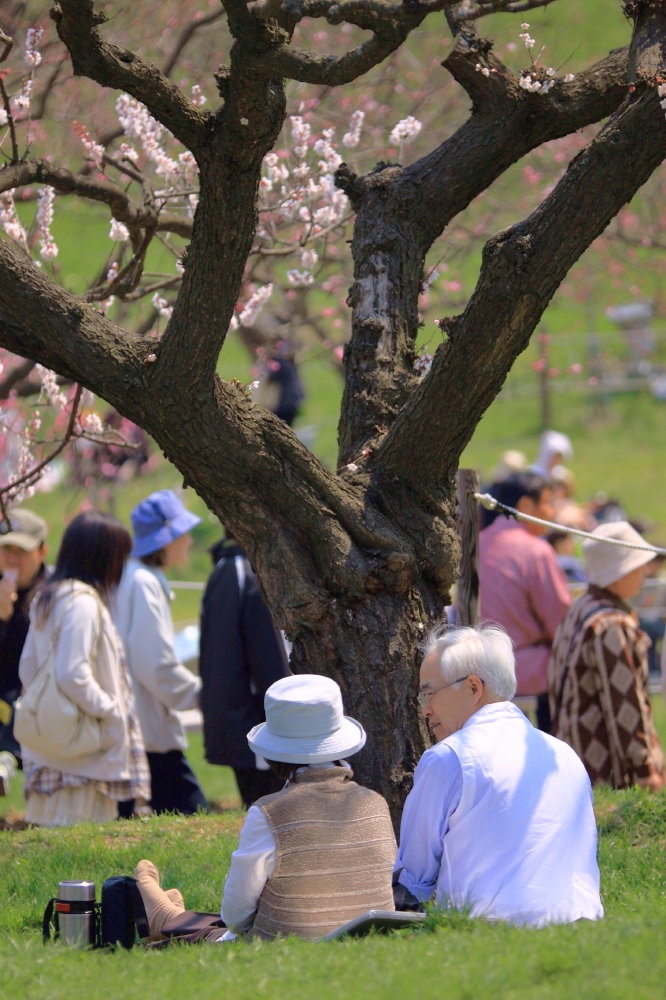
500	824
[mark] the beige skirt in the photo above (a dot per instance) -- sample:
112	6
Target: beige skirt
68	806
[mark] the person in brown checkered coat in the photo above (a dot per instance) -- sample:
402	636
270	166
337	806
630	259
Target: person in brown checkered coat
598	670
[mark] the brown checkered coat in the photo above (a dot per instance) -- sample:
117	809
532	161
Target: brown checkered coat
602	708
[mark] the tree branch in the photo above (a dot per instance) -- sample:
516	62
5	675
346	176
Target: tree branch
481	9
300	64
77	26
522	268
13	379
186	36
132	214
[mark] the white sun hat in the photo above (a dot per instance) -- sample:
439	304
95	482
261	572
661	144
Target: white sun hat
605	564
305	723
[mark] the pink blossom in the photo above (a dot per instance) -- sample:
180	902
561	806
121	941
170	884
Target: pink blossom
94	152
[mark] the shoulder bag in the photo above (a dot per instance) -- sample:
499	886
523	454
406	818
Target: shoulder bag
46	720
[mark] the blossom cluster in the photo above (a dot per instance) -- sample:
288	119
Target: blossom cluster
162	306
352	138
405	131
44	217
32	39
298	189
179	175
255	304
94	151
9	220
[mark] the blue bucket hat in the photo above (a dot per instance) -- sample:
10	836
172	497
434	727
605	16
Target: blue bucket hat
158	520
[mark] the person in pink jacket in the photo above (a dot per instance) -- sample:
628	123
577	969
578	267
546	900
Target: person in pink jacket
521	586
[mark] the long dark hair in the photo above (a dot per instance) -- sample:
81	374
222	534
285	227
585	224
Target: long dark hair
94	549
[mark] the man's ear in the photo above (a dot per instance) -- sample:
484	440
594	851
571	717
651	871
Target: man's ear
476	685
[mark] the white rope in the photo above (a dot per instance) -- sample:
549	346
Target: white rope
490	503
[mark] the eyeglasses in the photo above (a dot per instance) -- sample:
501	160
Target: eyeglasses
425	696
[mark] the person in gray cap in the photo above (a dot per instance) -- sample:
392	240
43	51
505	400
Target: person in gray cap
22	552
312	856
598	671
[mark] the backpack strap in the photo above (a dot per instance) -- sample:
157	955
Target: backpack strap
46	921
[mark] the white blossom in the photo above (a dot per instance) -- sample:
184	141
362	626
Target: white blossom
405	131
198	97
255	304
300	278
93	424
32	39
309	259
44	217
118	231
351	138
50	387
21	104
162	306
9	220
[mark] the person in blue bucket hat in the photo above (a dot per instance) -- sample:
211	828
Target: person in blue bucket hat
161	527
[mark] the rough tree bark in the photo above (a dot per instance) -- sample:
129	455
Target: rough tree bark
355	565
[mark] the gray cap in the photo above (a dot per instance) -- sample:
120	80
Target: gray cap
26	530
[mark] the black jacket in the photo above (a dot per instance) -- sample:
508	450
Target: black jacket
13	633
240	655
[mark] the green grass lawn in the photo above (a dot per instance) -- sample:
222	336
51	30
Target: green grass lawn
450	957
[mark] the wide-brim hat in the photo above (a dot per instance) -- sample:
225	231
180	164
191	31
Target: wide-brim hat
607	563
158	520
305	723
26	530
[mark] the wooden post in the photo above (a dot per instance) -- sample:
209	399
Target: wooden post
467	593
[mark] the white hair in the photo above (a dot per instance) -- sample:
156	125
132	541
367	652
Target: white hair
486	651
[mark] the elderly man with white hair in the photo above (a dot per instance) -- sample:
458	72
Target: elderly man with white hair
499	823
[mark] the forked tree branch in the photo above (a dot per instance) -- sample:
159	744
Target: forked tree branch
522	268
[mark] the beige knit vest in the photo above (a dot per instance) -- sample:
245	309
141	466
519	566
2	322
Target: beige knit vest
334	858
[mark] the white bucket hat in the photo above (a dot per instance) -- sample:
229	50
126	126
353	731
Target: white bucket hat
305	723
605	564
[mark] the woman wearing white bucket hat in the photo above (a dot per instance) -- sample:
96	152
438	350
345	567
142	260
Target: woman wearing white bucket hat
598	671
312	856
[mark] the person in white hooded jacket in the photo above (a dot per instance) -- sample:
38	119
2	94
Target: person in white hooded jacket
163	686
69	618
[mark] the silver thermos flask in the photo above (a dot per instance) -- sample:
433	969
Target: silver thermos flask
75	907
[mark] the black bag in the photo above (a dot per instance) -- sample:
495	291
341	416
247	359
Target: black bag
117	919
123	912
